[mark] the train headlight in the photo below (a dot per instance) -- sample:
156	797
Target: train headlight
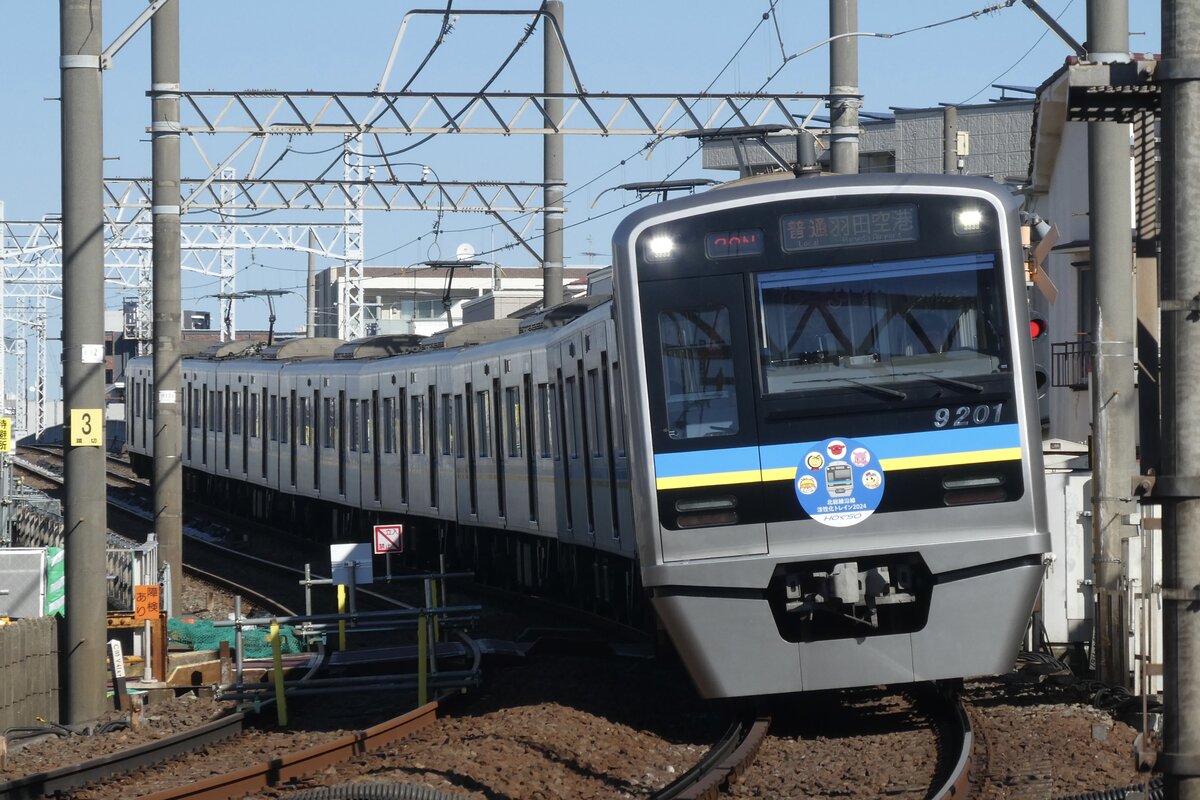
968	220
660	247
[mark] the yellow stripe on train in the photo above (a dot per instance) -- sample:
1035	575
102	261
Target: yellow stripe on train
711	479
888	465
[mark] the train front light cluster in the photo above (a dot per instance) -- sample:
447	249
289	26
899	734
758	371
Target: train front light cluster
968	221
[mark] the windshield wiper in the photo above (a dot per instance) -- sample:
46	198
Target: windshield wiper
870	387
971	387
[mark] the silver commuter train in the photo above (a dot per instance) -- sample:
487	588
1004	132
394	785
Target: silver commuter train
781	429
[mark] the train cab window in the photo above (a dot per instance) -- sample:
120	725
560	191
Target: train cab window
329	423
418	422
389	424
545	420
353	427
483	416
447	426
698	372
874	325
512	420
366	426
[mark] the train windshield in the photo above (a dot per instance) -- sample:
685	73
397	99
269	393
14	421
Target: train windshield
872	325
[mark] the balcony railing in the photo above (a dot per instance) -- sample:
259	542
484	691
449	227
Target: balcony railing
1070	364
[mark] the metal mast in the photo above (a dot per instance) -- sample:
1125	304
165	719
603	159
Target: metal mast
552	160
84	510
1114	399
1179	486
843	87
168	330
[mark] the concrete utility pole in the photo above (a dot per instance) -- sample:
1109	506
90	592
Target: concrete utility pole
843	87
84	512
1179	486
950	140
552	161
168	330
1114	399
310	295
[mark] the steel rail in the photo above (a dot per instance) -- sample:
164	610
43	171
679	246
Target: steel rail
723	764
98	769
249	780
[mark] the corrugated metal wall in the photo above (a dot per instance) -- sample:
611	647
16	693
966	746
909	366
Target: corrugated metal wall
29	671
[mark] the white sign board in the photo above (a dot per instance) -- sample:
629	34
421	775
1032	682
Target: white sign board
351	563
389	539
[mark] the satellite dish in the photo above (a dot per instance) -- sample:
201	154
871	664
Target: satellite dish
465	252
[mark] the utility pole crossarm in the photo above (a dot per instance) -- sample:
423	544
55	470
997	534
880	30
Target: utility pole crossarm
506	113
330	194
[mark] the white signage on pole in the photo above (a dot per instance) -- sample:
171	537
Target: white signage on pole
351	564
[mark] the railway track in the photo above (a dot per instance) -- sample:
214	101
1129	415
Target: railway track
711	776
237	783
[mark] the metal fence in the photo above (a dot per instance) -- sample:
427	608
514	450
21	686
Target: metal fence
29	672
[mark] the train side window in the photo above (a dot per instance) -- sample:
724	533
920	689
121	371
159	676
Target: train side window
418	423
571	412
596	396
273	418
545	420
389	424
447	426
330	422
220	411
212	410
197	399
235	413
459	423
366	426
483	413
618	411
354	429
698	372
512	407
254	417
305	433
284	420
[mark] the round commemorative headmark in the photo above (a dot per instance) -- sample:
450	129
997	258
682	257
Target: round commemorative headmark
839	482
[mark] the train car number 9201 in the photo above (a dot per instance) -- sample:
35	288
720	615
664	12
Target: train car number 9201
964	416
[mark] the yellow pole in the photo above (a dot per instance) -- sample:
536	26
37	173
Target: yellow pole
437	633
277	654
422	665
341	622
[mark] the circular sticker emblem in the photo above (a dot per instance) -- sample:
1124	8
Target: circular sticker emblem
842	487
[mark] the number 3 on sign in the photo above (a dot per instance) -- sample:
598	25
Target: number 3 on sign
87	427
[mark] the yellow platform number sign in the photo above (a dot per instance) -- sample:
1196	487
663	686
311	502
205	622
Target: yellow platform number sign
87	427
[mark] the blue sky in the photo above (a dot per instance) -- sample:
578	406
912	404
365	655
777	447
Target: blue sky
617	46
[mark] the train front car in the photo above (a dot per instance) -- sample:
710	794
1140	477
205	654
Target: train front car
841	482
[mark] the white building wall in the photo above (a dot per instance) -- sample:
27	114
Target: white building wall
1066	205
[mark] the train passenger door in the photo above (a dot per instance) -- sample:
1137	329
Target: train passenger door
707	477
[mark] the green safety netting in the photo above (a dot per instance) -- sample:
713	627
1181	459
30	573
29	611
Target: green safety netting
201	634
